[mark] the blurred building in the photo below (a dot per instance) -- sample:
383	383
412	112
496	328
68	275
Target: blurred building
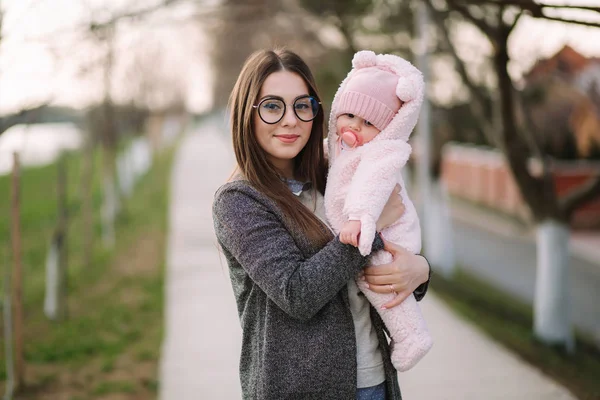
481	175
562	102
561	107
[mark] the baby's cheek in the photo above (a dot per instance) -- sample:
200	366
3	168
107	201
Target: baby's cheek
370	135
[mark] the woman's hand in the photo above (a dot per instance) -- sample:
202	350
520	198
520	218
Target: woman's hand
392	211
402	276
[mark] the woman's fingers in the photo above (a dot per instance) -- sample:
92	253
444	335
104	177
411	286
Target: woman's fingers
381	280
397	300
384	269
387	289
394	249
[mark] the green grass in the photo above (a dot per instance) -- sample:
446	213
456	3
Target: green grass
510	322
111	340
114	387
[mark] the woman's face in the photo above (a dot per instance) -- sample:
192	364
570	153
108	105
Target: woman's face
283	140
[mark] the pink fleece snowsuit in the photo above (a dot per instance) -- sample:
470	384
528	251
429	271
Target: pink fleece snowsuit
359	184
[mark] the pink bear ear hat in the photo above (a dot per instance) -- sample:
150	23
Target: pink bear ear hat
384	89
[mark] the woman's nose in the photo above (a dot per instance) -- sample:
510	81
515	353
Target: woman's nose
289	118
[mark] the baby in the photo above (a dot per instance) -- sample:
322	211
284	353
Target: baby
373	113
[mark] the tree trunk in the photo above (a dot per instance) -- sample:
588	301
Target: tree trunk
8	332
55	302
110	203
125	172
514	148
435	222
17	277
51	298
88	200
438	230
552	323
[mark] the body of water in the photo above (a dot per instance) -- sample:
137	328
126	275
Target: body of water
37	144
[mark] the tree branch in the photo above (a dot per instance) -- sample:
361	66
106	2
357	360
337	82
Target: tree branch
580	196
571	7
345	31
483	26
531	5
517	18
536	10
23	116
85	27
133	14
477	106
570	21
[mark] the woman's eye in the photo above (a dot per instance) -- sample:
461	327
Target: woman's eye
271	106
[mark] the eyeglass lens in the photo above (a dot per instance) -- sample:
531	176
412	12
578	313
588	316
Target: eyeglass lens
272	110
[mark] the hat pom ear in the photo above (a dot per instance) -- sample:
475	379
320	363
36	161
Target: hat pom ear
409	87
364	59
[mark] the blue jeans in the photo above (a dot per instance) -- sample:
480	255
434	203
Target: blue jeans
371	393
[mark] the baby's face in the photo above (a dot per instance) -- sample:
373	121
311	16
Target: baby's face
357	127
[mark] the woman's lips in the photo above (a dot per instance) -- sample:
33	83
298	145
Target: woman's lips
287	138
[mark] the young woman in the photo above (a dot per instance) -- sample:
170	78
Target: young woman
308	333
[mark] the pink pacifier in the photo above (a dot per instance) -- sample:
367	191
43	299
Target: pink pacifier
351	139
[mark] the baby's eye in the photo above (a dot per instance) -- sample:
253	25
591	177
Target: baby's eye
350	115
367	123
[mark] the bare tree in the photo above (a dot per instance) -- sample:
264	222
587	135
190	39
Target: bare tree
103	123
241	28
497	20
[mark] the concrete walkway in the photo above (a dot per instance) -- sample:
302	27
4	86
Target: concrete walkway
584	245
202	338
464	364
202	343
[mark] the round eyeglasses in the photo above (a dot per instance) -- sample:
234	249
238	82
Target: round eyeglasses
272	109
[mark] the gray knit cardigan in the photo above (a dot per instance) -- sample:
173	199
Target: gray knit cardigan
298	337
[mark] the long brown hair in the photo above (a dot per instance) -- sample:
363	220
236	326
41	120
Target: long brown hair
252	161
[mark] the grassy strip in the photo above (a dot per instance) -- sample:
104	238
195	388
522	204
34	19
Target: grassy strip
111	341
510	322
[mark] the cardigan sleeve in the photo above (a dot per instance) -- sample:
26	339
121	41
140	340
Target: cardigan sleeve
260	242
421	290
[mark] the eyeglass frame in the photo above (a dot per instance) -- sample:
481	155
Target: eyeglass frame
285	108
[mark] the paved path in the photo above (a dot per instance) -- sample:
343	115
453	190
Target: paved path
201	348
202	337
464	364
504	254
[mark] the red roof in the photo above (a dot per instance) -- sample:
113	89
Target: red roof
567	61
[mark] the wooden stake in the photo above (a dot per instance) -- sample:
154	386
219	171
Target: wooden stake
17	284
62	237
87	195
8	329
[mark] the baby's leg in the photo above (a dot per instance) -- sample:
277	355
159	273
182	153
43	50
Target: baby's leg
410	338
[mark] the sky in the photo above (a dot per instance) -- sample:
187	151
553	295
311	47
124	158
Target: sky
45	55
42	60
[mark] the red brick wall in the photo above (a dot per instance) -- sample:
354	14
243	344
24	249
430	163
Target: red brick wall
481	175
